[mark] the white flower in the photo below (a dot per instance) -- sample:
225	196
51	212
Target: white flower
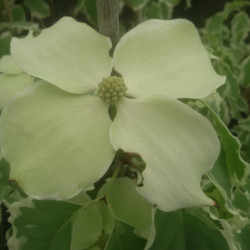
59	139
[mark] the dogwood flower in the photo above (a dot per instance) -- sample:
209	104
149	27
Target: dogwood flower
58	137
12	79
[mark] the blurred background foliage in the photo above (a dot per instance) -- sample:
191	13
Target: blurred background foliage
224	27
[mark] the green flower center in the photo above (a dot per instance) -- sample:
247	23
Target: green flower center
112	89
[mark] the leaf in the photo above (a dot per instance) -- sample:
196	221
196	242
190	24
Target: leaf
160	10
153	11
123	238
221	211
240	26
188	3
243	238
245	73
88	8
242	130
214	24
39	8
171	2
51	225
19	25
87	228
233	95
214	101
186	230
135	4
18	13
241	201
220	176
5	45
231	145
46	225
230	169
169	231
235	6
107	219
5	187
128	205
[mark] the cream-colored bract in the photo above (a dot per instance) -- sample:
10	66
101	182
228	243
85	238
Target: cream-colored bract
11	85
57	139
167	134
52	138
165	57
12	79
9	66
70	55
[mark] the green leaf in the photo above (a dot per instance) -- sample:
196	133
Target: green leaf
186	230
231	145
46	225
171	2
135	4
107	219
39	8
79	223
240	26
169	231
87	228
215	23
153	11
235	6
245	73
128	205
160	10
18	13
123	238
214	101
5	45
243	238
5	187
19	26
242	130
233	94
221	176
88	8
221	210
201	232
241	201
188	3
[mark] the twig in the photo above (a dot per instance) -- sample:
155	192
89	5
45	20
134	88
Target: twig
108	19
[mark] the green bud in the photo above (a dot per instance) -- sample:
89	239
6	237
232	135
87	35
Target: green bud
112	89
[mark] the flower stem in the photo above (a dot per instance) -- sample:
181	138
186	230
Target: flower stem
108	19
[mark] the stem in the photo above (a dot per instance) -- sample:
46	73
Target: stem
8	10
116	171
108	19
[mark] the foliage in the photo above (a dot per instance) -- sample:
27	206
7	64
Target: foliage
116	216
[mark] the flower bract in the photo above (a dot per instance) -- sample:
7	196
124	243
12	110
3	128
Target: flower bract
12	79
59	138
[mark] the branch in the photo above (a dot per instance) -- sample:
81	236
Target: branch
108	19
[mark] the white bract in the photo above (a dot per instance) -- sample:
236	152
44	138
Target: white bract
59	138
12	79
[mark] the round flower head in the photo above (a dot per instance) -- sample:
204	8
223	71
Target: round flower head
59	138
